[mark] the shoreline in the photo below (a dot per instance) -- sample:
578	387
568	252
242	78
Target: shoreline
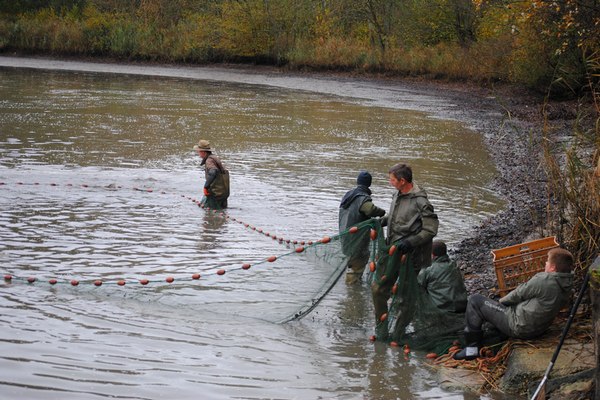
504	116
508	119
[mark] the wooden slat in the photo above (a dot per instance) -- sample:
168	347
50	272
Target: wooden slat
516	264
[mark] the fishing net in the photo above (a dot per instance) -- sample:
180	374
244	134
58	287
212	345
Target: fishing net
242	281
413	319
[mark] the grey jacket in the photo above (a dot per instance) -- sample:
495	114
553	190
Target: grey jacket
444	283
533	305
411	217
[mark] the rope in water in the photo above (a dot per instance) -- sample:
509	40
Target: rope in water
9	278
222	213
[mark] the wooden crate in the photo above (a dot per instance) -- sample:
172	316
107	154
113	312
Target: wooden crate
516	264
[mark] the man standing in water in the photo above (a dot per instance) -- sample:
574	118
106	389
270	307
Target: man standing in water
411	227
216	185
357	206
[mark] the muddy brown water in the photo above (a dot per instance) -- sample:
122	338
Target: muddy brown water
99	181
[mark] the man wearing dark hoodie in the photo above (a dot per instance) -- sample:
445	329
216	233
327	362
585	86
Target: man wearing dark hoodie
411	226
357	206
527	311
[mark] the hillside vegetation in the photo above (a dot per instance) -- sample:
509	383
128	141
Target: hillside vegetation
538	44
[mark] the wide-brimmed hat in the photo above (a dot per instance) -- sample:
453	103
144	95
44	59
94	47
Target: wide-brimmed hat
203	145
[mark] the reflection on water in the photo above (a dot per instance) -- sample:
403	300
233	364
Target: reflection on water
97	173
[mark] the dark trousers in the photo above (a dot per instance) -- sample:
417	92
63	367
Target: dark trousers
481	309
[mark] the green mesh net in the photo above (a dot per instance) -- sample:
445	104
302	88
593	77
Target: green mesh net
412	318
312	270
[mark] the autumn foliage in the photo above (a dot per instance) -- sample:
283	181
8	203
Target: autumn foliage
533	43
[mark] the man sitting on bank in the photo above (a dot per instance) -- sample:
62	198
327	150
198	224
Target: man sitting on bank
443	281
527	311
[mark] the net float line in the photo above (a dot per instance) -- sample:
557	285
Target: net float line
279	239
10	278
301	247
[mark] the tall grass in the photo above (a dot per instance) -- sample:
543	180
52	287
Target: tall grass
573	167
235	32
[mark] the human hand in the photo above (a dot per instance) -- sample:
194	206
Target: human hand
206	192
404	246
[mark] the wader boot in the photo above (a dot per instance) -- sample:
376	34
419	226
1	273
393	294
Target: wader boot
471	350
352	278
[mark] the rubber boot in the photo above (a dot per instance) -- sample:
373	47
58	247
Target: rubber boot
382	331
471	350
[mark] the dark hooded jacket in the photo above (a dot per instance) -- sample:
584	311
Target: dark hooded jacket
356	206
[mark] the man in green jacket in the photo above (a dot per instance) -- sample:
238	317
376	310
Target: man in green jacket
443	280
527	311
411	226
216	184
357	206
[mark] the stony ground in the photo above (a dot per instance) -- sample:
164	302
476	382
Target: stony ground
514	142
